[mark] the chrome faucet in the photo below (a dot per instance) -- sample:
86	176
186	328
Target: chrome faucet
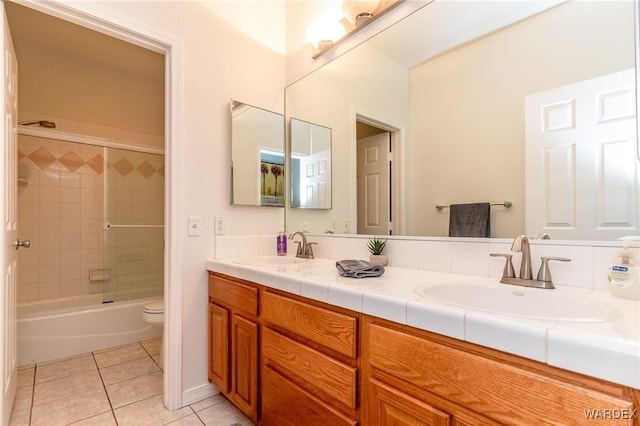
521	244
543	279
305	249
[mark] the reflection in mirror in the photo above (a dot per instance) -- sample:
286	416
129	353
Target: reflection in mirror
454	88
310	165
257	156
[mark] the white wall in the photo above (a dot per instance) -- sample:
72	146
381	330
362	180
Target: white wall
218	62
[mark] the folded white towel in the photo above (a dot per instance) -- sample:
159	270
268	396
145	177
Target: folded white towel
358	268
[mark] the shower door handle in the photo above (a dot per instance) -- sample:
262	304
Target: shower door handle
25	244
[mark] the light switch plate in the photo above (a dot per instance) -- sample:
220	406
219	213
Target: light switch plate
194	226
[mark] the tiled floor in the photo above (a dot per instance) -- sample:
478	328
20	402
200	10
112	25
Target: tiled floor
118	386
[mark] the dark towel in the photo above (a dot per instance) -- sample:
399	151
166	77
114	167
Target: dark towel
358	268
469	220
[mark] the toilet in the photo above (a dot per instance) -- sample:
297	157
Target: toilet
153	313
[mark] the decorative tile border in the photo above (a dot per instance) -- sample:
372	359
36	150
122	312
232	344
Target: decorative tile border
42	158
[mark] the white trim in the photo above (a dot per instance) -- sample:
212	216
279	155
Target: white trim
150	38
42	132
199	393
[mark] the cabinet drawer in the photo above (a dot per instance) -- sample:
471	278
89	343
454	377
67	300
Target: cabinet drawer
318	373
233	294
503	392
285	404
331	329
389	406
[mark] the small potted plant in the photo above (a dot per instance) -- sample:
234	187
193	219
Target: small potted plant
376	247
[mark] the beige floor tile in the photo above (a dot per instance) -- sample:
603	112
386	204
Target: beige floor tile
156	359
150	411
66	387
206	403
104	419
191	420
23	399
69	367
67	358
128	370
152	346
119	355
20	417
72	409
223	414
133	390
26	375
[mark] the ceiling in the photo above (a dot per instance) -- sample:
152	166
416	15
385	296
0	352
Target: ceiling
31	29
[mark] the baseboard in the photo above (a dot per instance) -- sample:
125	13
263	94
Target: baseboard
198	393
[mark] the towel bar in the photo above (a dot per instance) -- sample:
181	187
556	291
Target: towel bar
507	204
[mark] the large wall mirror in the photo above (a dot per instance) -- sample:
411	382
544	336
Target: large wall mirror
257	156
455	90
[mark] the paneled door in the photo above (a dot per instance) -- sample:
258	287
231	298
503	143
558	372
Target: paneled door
582	169
373	184
9	244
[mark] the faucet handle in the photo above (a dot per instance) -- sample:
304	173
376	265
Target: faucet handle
508	271
544	273
299	249
309	252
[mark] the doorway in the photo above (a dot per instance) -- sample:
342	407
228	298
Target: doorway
377	177
122	31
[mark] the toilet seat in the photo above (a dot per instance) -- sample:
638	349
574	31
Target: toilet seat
155	307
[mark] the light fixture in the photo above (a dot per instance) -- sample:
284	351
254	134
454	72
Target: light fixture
359	11
324	33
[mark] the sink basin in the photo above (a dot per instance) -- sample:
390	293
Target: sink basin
268	260
521	302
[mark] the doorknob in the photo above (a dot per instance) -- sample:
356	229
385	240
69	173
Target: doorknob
25	244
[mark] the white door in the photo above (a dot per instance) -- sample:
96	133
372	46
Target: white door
373	184
9	183
315	180
582	171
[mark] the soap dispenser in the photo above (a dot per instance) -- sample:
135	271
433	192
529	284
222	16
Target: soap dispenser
281	242
623	274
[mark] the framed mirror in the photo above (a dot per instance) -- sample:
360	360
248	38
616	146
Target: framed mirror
449	84
310	162
257	156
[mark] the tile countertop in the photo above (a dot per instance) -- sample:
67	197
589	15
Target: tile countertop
607	350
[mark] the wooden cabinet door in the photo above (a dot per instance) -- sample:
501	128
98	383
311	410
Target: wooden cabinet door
219	347
388	406
286	404
244	365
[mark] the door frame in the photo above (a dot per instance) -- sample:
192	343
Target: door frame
397	186
90	17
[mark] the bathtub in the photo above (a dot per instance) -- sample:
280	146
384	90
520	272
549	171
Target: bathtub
58	328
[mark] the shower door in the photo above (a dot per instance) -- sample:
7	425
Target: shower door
133	226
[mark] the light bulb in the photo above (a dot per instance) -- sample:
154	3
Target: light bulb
324	33
357	10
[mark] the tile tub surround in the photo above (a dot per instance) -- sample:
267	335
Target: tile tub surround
605	350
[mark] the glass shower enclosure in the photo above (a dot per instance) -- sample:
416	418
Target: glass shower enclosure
95	217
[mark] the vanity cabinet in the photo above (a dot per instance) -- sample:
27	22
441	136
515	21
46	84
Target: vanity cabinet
286	360
413	377
309	363
233	341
